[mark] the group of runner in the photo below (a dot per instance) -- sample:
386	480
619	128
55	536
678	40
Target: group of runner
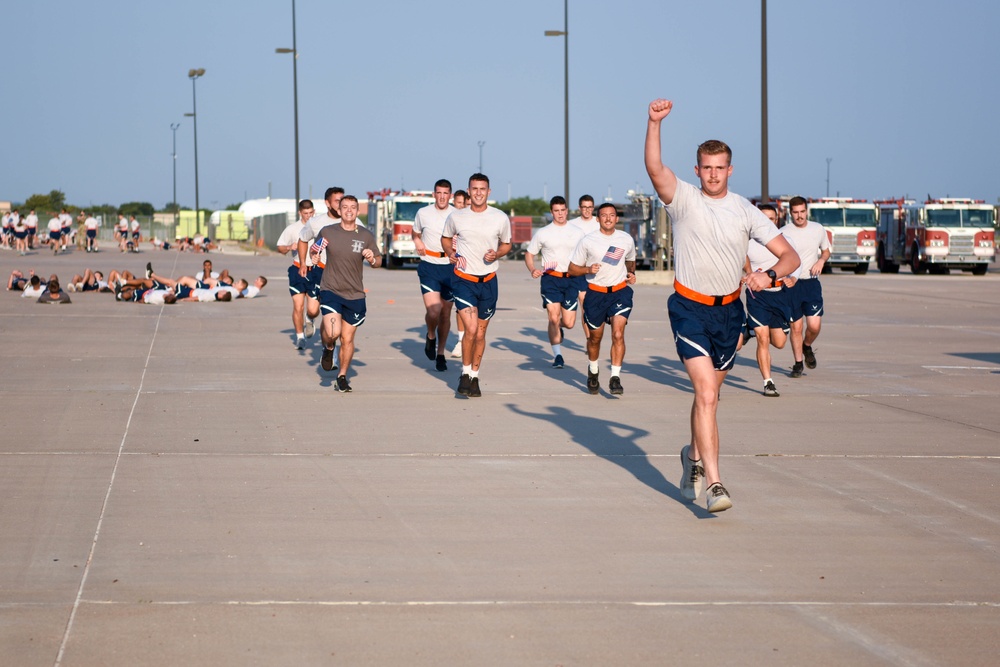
22	234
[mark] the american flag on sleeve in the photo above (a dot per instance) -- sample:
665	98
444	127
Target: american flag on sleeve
613	255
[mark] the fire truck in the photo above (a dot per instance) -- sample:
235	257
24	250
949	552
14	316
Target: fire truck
941	234
390	217
850	225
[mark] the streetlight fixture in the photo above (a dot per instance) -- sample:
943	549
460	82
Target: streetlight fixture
173	128
564	33
194	75
828	161
481	144
764	195
295	94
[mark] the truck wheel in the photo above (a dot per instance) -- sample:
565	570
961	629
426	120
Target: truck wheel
916	266
980	269
885	265
394	262
861	268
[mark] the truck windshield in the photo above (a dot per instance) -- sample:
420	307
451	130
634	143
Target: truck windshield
407	210
844	217
959	218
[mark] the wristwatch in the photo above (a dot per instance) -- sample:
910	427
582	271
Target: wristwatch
773	276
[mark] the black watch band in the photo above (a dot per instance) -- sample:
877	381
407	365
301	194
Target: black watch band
773	276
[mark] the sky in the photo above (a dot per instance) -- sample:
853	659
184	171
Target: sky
889	98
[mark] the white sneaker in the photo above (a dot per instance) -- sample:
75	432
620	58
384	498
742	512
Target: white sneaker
309	328
718	498
457	352
300	343
71	287
693	477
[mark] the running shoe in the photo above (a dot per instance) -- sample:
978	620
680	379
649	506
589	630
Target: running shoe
149	270
344	388
807	352
440	363
770	389
327	361
796	370
474	388
693	477
718	498
615	386
457	352
430	348
309	329
464	384
558	363
593	385
71	287
300	343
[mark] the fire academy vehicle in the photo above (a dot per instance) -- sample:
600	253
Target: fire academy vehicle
390	216
850	225
941	234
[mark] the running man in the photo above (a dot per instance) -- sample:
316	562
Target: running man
434	272
769	311
607	259
483	237
299	287
556	242
711	228
460	200
810	241
342	290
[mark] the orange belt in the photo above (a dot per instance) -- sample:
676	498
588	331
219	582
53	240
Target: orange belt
607	290
705	298
557	274
433	253
321	265
476	279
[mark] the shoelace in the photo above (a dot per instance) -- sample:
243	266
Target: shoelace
696	472
718	490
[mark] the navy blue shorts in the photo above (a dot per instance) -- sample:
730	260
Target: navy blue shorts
806	298
564	291
705	331
601	307
91	233
481	296
351	311
296	283
182	292
315	278
769	309
581	283
436	278
90	287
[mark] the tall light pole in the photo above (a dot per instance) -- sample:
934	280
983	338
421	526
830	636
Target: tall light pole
194	75
828	161
295	93
173	128
481	144
764	194
564	33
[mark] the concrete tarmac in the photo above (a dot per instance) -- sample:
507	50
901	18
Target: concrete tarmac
180	485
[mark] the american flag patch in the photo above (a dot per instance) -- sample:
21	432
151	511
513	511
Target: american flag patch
318	246
550	266
460	263
613	255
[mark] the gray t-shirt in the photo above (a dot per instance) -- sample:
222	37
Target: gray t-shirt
344	263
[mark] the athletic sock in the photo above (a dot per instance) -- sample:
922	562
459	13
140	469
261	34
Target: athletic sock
472	373
593	366
556	350
467	370
616	371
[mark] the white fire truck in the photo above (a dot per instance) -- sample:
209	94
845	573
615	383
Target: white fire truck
390	217
939	235
850	225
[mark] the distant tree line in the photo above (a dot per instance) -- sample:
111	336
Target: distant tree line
55	201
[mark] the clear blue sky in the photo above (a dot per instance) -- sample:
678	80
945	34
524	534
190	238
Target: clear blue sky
902	95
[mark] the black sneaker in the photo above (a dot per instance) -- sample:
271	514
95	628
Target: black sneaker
770	389
593	385
615	386
464	385
342	385
441	364
807	352
558	363
149	270
430	348
327	361
474	388
796	370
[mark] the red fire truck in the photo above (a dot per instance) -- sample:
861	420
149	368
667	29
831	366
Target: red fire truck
939	235
850	225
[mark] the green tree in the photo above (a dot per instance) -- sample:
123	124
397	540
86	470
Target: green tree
233	207
524	206
137	208
172	207
57	199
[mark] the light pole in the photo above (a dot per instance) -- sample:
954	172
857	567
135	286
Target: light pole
194	75
828	161
295	94
481	144
564	33
764	194
173	128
